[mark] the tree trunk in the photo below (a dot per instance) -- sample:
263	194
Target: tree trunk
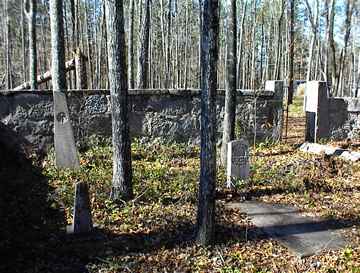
131	45
253	44
89	49
230	93
291	53
65	149
168	49
23	50
209	59
277	69
57	46
186	49
7	53
349	11
122	172
30	11
332	46
143	81
241	42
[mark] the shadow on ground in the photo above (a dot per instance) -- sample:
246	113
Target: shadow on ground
28	213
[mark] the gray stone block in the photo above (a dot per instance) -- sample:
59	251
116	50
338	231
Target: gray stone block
82	220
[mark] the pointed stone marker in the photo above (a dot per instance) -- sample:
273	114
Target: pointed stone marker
66	155
82	220
238	165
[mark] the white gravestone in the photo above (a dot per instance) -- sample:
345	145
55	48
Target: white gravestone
238	165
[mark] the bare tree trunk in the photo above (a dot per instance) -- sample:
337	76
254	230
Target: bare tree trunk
45	60
253	44
201	4
168	49
122	171
143	81
209	58
349	11
65	149
7	53
186	49
96	47
241	45
332	46
357	85
230	94
163	41
277	69
291	52
30	11
57	46
89	48
261	51
131	45
23	42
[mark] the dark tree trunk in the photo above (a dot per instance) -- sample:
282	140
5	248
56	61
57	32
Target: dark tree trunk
209	59
291	52
143	81
122	172
230	94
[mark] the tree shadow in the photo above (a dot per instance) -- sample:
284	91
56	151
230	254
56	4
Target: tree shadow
228	232
28	211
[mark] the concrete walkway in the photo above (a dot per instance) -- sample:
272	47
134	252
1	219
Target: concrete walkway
304	236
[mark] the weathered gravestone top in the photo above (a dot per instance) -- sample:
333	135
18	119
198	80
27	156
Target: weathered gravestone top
316	106
65	149
238	165
82	222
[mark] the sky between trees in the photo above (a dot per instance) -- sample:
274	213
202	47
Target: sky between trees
173	57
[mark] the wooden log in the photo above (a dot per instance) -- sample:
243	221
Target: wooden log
70	65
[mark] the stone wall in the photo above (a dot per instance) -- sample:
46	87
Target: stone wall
172	116
328	117
344	114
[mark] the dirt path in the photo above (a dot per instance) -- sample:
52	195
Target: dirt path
296	123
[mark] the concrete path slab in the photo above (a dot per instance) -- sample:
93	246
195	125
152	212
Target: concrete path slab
304	236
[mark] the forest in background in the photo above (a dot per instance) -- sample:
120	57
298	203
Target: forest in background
163	42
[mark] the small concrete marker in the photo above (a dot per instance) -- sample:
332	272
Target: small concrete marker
66	155
82	220
316	148
238	165
304	236
319	149
350	156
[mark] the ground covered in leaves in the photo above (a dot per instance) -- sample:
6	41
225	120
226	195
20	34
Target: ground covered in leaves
154	232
